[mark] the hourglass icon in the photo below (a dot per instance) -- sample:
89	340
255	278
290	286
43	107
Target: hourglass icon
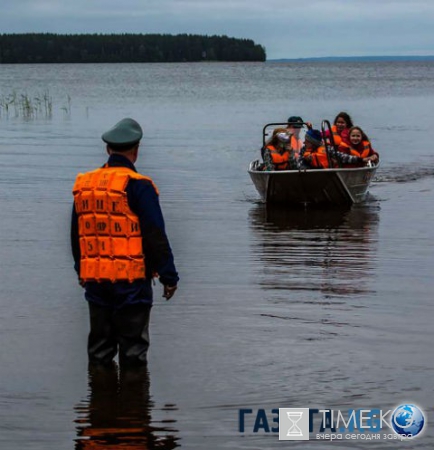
294	417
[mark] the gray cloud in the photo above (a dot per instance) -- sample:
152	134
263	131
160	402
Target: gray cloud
286	28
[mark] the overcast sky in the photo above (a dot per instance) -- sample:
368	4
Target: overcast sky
286	28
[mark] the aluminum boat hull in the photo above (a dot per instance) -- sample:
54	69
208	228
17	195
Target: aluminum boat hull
313	186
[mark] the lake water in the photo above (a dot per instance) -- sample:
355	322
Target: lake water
327	310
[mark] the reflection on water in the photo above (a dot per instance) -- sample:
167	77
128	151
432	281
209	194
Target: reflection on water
330	252
117	413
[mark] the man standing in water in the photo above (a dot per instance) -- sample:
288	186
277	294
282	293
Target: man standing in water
119	244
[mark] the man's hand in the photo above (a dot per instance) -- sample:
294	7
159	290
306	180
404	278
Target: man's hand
169	291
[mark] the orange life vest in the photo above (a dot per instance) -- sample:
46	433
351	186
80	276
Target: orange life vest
352	151
280	160
296	145
109	232
319	159
336	136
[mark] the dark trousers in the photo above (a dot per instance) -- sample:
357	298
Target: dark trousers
126	329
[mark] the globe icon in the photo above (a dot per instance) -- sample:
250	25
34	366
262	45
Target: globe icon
407	420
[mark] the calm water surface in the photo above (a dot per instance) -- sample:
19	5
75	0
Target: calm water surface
323	309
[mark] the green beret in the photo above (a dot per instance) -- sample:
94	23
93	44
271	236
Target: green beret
125	133
295	121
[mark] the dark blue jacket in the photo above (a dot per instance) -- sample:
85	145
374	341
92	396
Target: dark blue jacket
143	201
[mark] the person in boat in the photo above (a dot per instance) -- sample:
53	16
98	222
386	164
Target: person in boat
317	156
295	124
278	154
359	145
340	128
119	244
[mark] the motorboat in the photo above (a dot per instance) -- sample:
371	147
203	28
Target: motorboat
309	187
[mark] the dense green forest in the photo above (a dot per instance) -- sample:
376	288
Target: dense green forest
115	48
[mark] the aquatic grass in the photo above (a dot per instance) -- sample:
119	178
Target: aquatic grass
6	102
67	108
28	106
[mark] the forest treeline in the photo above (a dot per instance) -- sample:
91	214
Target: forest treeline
117	48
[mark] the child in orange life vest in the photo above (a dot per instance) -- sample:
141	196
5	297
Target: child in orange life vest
316	156
278	154
359	145
340	129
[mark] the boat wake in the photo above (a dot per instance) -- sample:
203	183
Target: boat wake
403	174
